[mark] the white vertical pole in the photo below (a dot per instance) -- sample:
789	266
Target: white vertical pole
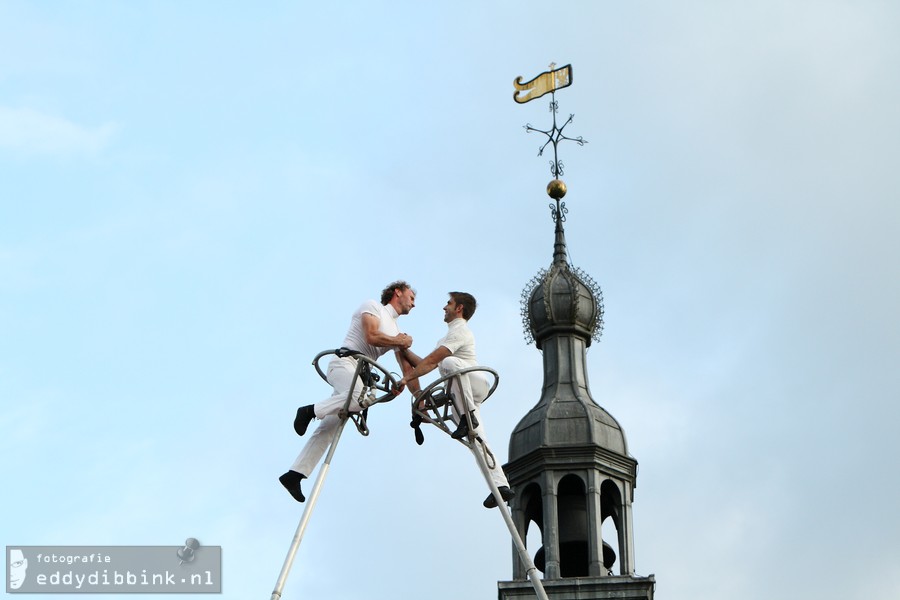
304	520
530	569
314	496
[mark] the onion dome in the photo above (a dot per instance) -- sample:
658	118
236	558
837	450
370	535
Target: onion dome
561	299
562	311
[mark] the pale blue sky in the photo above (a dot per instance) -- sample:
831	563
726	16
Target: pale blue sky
195	196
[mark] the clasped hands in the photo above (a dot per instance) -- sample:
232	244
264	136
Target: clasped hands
404	341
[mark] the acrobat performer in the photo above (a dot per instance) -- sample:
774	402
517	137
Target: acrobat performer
456	351
373	331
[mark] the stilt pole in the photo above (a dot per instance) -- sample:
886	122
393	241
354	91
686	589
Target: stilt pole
320	479
304	520
530	569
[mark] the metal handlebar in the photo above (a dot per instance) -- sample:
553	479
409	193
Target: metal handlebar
378	377
436	398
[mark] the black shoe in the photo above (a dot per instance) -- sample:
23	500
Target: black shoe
291	482
305	414
462	430
416	424
506	493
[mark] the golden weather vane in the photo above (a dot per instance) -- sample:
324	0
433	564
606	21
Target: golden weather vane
547	83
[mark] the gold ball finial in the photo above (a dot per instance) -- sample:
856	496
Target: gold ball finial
556	189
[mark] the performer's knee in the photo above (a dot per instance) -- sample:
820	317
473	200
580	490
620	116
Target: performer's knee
449	365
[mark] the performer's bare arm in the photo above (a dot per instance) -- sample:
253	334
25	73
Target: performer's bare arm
421	367
406	368
411	357
375	337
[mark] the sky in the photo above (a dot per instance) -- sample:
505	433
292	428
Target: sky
194	197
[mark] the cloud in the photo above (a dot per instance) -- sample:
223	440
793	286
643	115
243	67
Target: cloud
32	132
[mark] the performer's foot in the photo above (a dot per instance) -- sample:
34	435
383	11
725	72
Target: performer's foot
462	430
506	493
439	398
416	424
305	414
291	482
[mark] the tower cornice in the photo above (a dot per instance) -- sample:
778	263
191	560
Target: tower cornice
569	458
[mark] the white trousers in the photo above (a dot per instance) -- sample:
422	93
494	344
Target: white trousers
470	389
340	376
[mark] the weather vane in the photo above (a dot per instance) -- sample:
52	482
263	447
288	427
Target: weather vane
547	83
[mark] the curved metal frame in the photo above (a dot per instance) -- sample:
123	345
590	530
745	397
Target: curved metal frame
427	396
384	382
385	386
428	393
373	383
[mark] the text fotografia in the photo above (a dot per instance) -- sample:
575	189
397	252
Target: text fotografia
187	568
69	558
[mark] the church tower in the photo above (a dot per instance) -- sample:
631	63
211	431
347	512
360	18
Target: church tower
568	457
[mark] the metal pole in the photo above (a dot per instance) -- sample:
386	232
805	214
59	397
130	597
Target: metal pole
530	569
311	504
314	496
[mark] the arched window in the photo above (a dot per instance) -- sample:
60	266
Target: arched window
610	522
533	537
573	527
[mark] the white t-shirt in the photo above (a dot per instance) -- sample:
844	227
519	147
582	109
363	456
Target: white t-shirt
460	341
356	338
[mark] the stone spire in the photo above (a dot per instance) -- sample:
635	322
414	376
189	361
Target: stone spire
568	457
563	310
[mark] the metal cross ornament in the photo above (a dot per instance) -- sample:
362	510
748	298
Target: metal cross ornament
547	83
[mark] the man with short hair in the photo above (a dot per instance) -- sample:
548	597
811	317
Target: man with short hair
456	351
373	331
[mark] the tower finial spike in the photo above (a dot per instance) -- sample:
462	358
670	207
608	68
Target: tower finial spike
560	254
